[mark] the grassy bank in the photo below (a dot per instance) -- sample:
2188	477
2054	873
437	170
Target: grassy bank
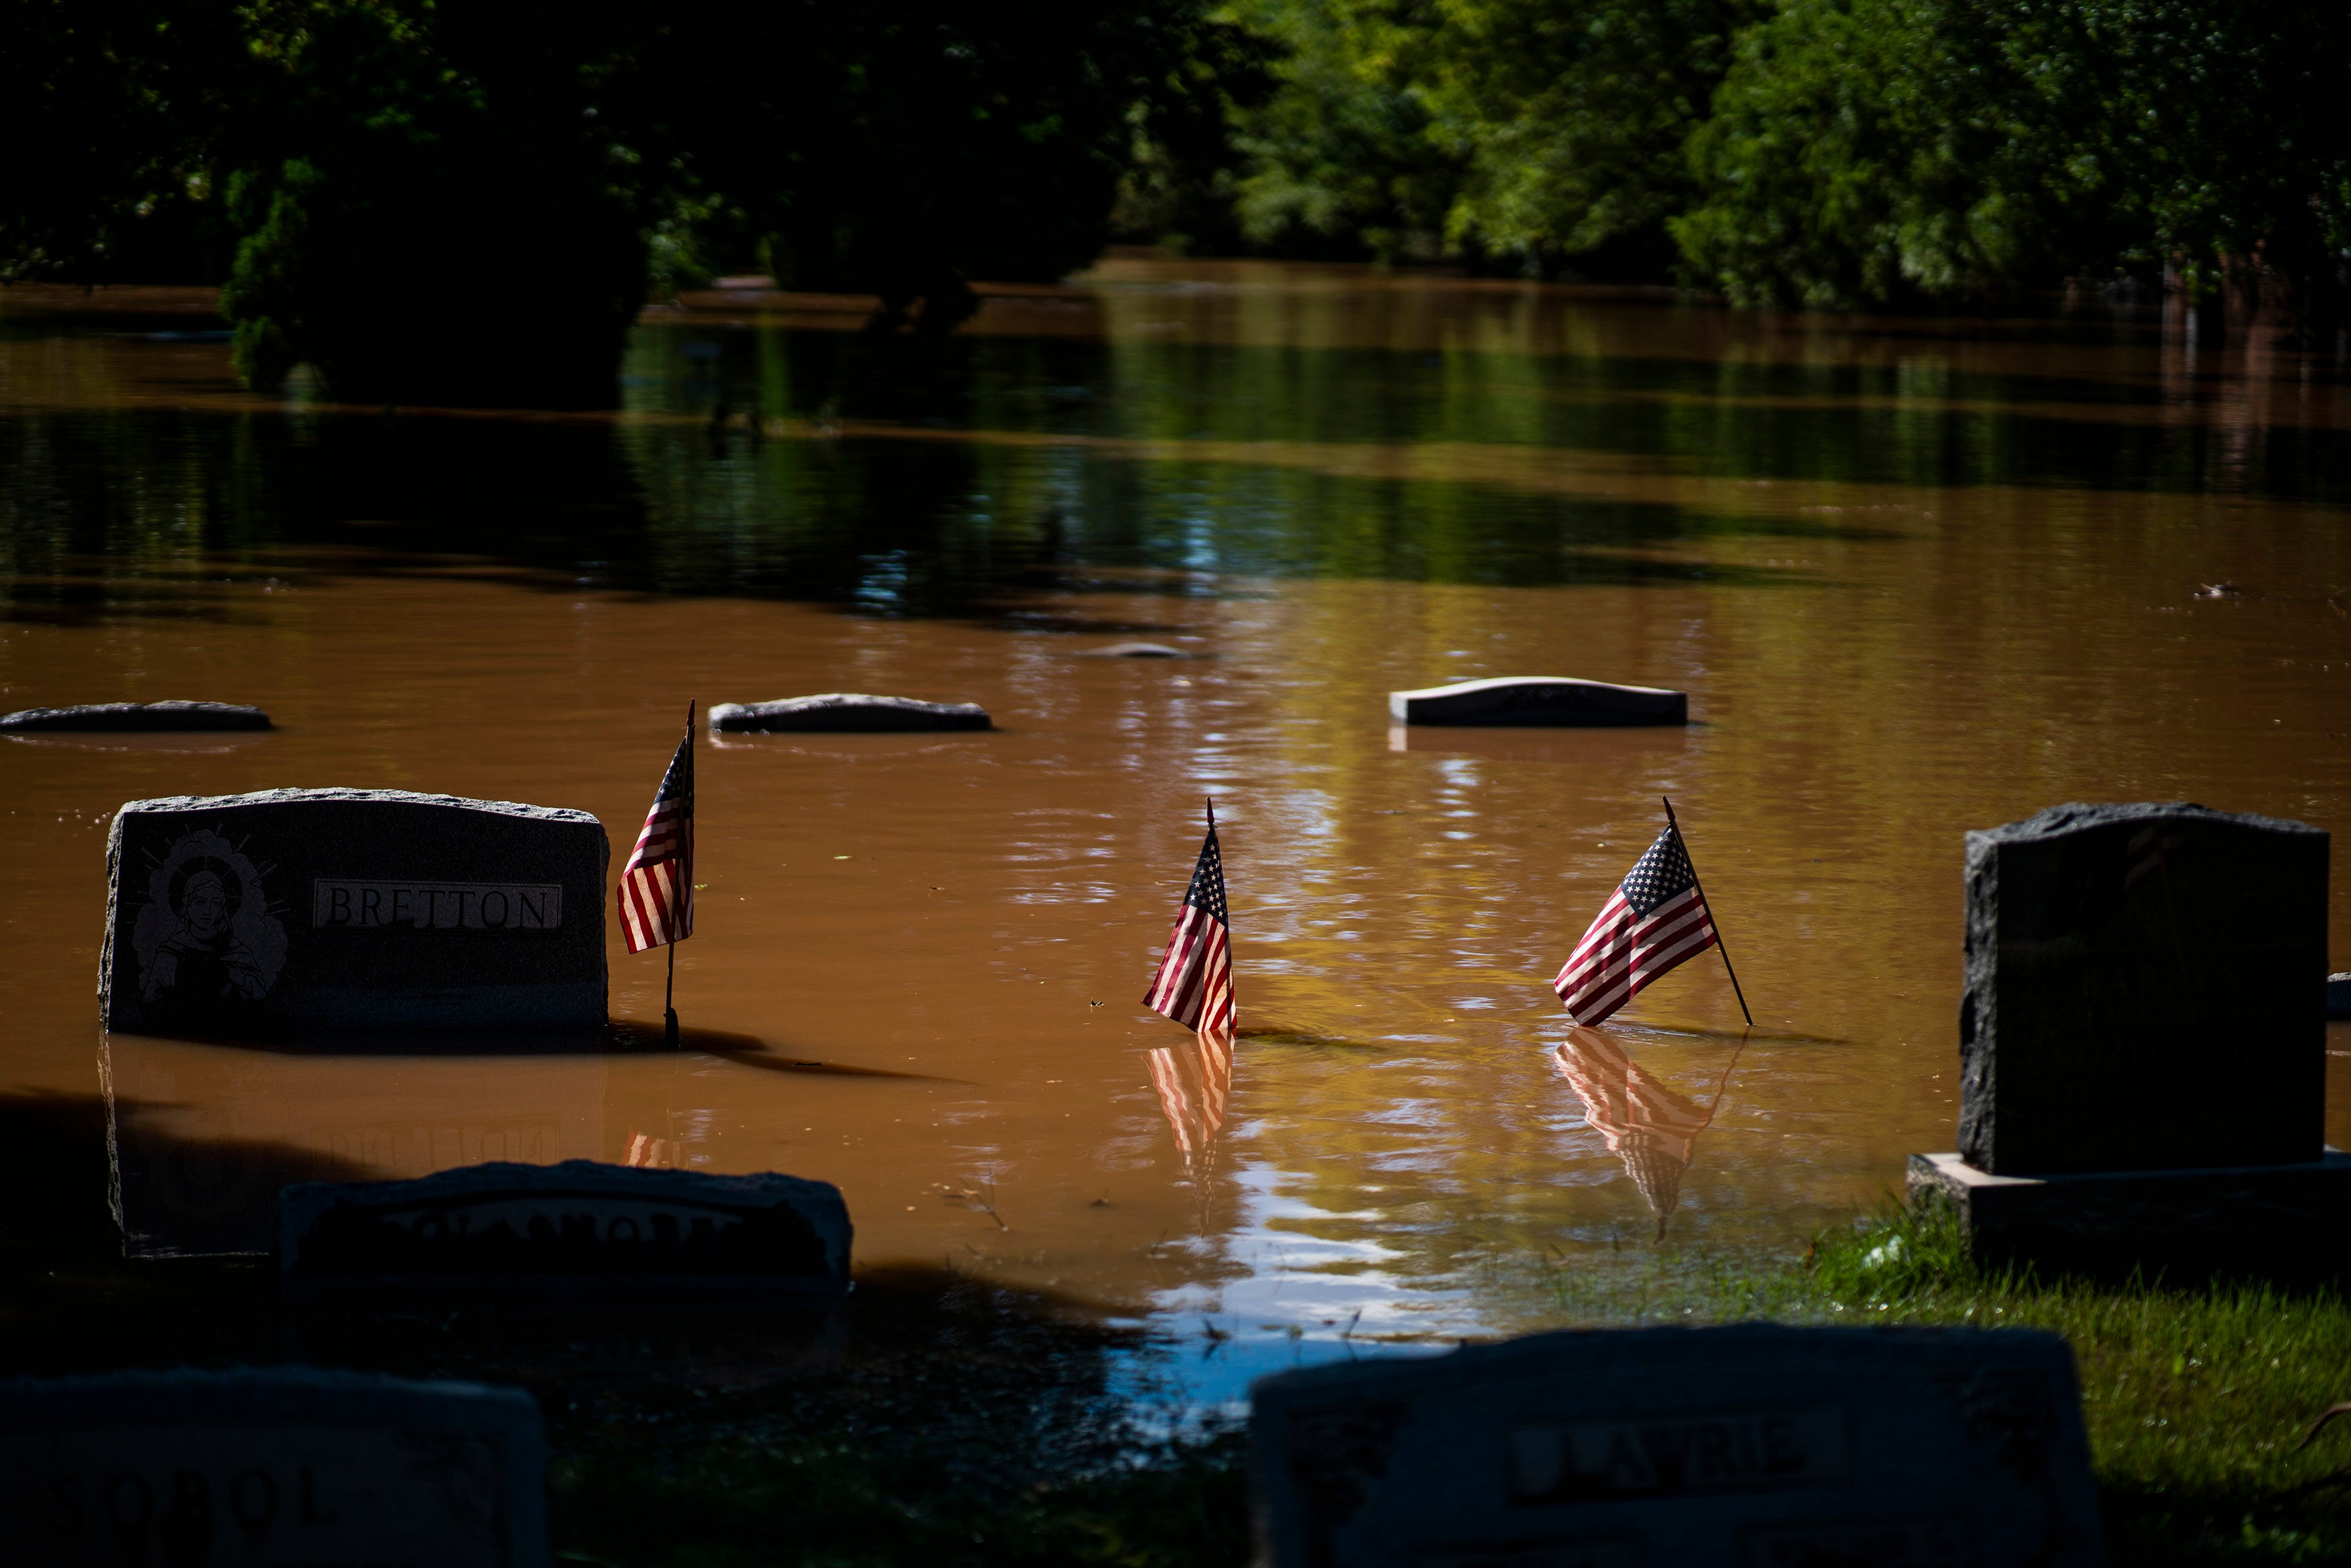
2197	1399
946	1422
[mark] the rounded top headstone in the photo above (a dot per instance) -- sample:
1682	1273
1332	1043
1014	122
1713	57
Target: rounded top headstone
1538	700
847	711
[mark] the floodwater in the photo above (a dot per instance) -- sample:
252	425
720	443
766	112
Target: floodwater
1918	576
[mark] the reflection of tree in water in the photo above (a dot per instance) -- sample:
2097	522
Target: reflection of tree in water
1653	1129
1194	1081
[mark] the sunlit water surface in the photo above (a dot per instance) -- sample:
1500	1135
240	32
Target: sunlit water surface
1916	576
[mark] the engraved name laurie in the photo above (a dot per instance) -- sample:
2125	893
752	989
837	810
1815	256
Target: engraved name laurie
1677	1453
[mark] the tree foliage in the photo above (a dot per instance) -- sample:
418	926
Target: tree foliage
1809	150
466	199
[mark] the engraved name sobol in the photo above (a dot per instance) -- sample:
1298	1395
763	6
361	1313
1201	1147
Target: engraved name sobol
1647	1455
339	905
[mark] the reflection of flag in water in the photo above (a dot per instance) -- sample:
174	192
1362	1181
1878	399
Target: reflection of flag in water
657	884
1195	982
656	1153
1648	1126
1656	918
1192	1080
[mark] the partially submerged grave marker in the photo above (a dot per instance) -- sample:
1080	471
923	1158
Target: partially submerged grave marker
276	1464
1538	700
345	908
838	711
1732	1447
578	1231
145	717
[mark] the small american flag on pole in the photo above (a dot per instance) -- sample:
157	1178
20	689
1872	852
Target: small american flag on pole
656	889
1656	918
1195	982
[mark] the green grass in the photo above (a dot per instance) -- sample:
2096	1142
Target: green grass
2198	1398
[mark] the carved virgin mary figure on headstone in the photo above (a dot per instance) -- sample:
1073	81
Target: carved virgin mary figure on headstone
1650	1127
208	949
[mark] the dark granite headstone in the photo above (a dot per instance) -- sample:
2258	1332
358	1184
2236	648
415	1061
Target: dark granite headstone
578	1231
847	711
1747	1447
329	1469
2143	992
343	908
2339	996
142	717
1538	700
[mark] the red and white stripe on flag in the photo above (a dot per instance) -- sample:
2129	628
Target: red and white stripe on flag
1626	949
1195	982
656	891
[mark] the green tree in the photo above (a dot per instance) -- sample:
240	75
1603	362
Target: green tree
1569	118
1883	149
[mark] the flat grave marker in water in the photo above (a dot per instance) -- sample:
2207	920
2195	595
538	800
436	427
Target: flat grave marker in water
342	909
2143	992
146	718
577	1231
1747	1447
853	711
1538	700
326	1468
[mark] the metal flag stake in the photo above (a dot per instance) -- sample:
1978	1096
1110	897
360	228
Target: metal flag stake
1720	946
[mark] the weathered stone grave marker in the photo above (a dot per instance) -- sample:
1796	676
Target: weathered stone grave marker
344	908
2142	1041
328	1468
838	711
1747	1447
1538	700
136	717
576	1231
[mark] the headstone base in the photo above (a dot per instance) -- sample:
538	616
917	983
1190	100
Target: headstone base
2281	1222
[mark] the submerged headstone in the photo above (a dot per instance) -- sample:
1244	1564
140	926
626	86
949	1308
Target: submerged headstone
2143	992
1538	700
278	1465
847	711
576	1231
2339	996
136	717
1745	1447
1136	650
345	908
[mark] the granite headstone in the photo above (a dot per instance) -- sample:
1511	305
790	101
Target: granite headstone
136	717
578	1231
2339	996
327	1470
1538	700
2143	992
345	908
1745	1447
838	711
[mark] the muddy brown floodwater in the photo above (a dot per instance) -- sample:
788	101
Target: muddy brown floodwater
1916	576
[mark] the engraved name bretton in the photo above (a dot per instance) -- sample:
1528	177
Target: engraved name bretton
342	905
1647	1455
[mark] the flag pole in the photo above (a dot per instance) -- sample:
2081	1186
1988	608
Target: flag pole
1720	946
669	988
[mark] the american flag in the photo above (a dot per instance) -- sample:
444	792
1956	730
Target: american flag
1195	982
1656	918
656	887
